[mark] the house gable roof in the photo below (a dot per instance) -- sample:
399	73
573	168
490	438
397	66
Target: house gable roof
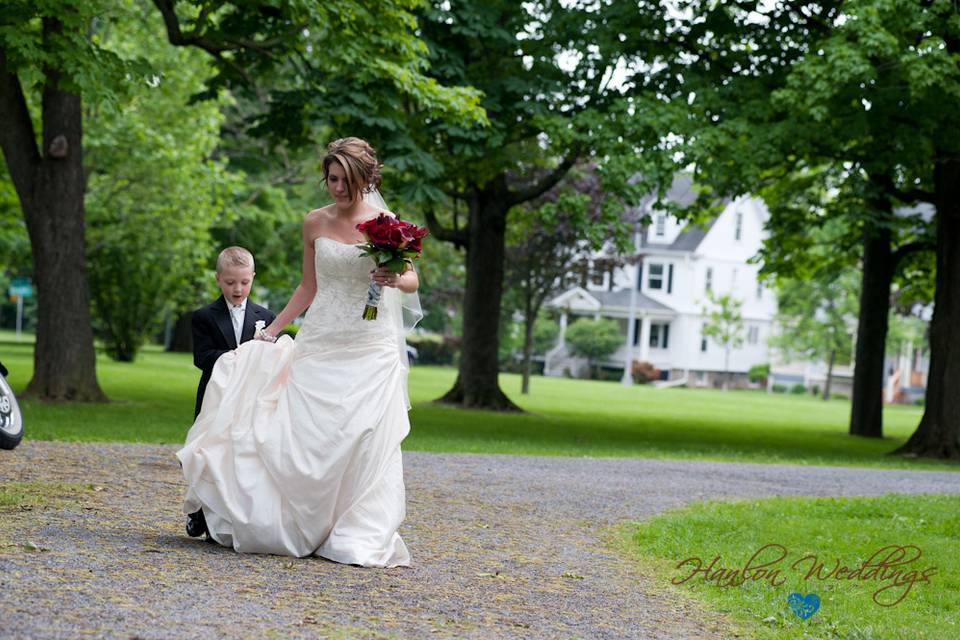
580	299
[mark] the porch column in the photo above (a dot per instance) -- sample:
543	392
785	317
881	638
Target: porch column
645	339
563	329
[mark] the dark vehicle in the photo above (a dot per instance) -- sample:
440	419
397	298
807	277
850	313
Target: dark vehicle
11	420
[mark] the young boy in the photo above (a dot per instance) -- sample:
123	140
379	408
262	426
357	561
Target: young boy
229	321
222	326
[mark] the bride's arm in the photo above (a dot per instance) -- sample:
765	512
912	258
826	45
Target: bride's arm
303	295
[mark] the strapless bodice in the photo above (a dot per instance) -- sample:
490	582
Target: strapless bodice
343	277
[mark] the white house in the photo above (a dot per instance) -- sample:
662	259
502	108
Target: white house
676	265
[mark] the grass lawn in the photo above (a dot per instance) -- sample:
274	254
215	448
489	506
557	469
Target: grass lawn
890	603
152	401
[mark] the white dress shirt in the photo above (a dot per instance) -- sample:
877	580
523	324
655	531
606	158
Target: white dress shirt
236	315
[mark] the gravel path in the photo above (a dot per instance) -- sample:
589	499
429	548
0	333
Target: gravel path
502	546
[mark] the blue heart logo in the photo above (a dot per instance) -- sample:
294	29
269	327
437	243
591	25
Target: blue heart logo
804	606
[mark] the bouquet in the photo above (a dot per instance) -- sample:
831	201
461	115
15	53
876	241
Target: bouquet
392	243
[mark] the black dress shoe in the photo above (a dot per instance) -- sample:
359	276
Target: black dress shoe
197	524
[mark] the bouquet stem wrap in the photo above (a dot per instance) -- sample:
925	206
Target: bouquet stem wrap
373	301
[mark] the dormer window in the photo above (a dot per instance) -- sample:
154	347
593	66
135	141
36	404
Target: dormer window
660	227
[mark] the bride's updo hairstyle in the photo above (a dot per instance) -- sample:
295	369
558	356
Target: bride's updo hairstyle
359	162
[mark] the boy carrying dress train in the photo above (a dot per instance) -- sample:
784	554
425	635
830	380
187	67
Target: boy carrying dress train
222	326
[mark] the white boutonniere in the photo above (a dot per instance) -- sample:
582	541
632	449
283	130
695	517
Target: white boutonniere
260	333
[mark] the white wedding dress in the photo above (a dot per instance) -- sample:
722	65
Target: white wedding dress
296	450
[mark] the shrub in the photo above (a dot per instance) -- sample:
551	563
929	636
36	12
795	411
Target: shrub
815	390
798	389
644	372
758	373
290	330
593	339
434	349
779	388
839	396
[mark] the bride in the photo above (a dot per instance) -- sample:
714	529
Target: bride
296	450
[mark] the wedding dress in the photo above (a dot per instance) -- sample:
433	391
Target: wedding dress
296	450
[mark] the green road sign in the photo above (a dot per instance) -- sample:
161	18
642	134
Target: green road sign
21	287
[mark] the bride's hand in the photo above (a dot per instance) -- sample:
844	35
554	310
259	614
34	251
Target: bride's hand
386	278
264	334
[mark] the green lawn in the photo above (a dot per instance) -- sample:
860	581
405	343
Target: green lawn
891	603
152	401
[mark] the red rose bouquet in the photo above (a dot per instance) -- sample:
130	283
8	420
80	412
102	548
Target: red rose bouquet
392	243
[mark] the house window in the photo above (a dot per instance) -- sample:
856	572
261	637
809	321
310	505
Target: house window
703	340
759	289
753	335
709	284
661	225
655	276
659	336
737	232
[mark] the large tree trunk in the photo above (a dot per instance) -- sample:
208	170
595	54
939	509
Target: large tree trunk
866	417
477	384
182	338
938	435
50	185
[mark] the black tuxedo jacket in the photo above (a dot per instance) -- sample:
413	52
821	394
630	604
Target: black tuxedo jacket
213	336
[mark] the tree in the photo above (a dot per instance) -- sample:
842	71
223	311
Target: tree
828	220
152	192
815	317
47	58
550	238
877	94
593	340
869	105
545	71
725	325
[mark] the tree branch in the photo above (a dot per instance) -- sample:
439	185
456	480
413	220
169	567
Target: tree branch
456	236
914	194
911	247
214	48
548	182
18	139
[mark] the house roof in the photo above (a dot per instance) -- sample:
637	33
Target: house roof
598	300
621	298
691	237
681	192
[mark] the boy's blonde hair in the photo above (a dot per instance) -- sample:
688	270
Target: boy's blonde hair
234	257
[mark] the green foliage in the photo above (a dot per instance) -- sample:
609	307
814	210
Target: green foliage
798	389
593	339
545	333
433	349
904	331
758	373
724	322
153	192
817	315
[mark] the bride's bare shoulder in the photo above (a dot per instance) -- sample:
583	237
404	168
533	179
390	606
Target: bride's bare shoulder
318	219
